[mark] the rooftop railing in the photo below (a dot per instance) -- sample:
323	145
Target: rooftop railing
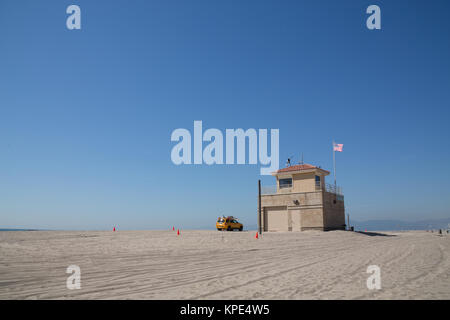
333	189
272	189
268	190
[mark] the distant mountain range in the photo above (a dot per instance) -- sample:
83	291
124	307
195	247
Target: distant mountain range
18	229
393	225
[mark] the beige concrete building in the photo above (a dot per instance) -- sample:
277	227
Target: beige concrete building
302	200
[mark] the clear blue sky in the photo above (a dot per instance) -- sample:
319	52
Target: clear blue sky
86	116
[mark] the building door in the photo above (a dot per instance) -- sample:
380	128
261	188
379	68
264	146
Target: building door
296	222
275	219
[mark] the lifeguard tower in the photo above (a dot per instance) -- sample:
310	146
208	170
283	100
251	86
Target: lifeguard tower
301	200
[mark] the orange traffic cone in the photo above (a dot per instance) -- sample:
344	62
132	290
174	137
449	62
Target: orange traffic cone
256	236
178	232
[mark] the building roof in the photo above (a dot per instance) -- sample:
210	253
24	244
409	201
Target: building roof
300	167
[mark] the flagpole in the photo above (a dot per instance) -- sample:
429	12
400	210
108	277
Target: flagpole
334	167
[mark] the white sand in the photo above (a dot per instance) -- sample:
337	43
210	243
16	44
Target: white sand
223	265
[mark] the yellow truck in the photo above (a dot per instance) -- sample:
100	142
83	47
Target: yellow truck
228	223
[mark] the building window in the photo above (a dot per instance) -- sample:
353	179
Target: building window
318	181
285	183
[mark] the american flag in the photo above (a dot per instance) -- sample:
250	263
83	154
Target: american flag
338	147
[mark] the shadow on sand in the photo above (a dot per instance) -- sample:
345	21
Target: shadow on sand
375	234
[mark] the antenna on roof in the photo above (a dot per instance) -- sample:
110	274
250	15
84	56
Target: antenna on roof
301	162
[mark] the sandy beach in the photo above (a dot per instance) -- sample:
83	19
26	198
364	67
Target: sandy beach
224	265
